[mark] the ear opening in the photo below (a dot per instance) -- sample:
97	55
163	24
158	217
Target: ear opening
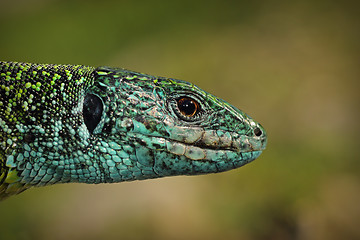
92	111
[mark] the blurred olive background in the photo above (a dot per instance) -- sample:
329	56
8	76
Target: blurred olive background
292	65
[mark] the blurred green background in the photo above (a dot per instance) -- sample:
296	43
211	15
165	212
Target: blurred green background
292	65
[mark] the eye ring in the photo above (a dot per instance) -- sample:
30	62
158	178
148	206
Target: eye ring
188	107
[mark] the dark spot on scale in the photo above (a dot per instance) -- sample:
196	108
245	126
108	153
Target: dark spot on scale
29	138
142	143
102	88
107	128
140	118
83	166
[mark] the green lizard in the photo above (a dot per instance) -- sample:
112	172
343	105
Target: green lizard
65	123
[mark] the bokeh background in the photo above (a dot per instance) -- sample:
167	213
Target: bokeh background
292	65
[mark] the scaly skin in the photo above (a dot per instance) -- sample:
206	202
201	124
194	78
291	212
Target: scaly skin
65	123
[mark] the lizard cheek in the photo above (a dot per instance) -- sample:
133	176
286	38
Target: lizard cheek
92	111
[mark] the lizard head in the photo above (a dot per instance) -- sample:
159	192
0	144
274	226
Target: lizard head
148	127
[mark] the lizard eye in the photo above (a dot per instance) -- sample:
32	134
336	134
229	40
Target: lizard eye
92	111
188	106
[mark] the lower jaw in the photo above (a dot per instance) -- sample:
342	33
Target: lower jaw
234	161
247	158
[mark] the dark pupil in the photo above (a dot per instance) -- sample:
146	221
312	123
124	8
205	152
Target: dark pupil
187	106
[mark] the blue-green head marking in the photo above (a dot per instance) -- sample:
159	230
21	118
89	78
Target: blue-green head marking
65	123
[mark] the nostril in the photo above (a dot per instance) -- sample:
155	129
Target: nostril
257	132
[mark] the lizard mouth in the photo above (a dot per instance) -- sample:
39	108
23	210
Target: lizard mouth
248	149
196	143
217	140
254	139
241	150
